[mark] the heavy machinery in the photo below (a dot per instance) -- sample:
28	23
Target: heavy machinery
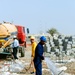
7	31
22	39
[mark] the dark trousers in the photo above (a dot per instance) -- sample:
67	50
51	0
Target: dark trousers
38	68
15	49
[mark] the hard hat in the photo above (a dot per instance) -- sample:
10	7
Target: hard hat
32	37
43	38
14	36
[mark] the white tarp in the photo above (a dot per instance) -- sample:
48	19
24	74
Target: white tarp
12	67
53	68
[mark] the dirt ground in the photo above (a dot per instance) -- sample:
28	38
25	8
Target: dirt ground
70	66
28	59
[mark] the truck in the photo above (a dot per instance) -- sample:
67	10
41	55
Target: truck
21	35
7	31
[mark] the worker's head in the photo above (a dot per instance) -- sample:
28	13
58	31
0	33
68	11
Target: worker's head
43	39
32	38
14	37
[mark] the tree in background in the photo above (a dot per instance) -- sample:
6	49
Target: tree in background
52	31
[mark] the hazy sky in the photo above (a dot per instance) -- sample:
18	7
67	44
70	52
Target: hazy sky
40	15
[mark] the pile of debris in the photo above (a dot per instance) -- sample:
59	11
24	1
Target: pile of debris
11	67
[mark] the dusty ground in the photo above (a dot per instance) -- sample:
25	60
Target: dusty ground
27	59
70	66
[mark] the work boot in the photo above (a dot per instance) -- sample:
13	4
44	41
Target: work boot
32	72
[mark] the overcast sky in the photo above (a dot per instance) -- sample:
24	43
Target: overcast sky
40	15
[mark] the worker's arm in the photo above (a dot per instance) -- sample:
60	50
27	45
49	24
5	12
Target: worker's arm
40	52
33	49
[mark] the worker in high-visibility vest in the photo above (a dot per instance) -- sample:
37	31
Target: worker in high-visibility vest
33	45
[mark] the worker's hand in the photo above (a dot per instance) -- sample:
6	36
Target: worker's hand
42	58
31	55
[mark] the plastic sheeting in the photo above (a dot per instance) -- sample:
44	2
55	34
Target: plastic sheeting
12	67
52	67
8	73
